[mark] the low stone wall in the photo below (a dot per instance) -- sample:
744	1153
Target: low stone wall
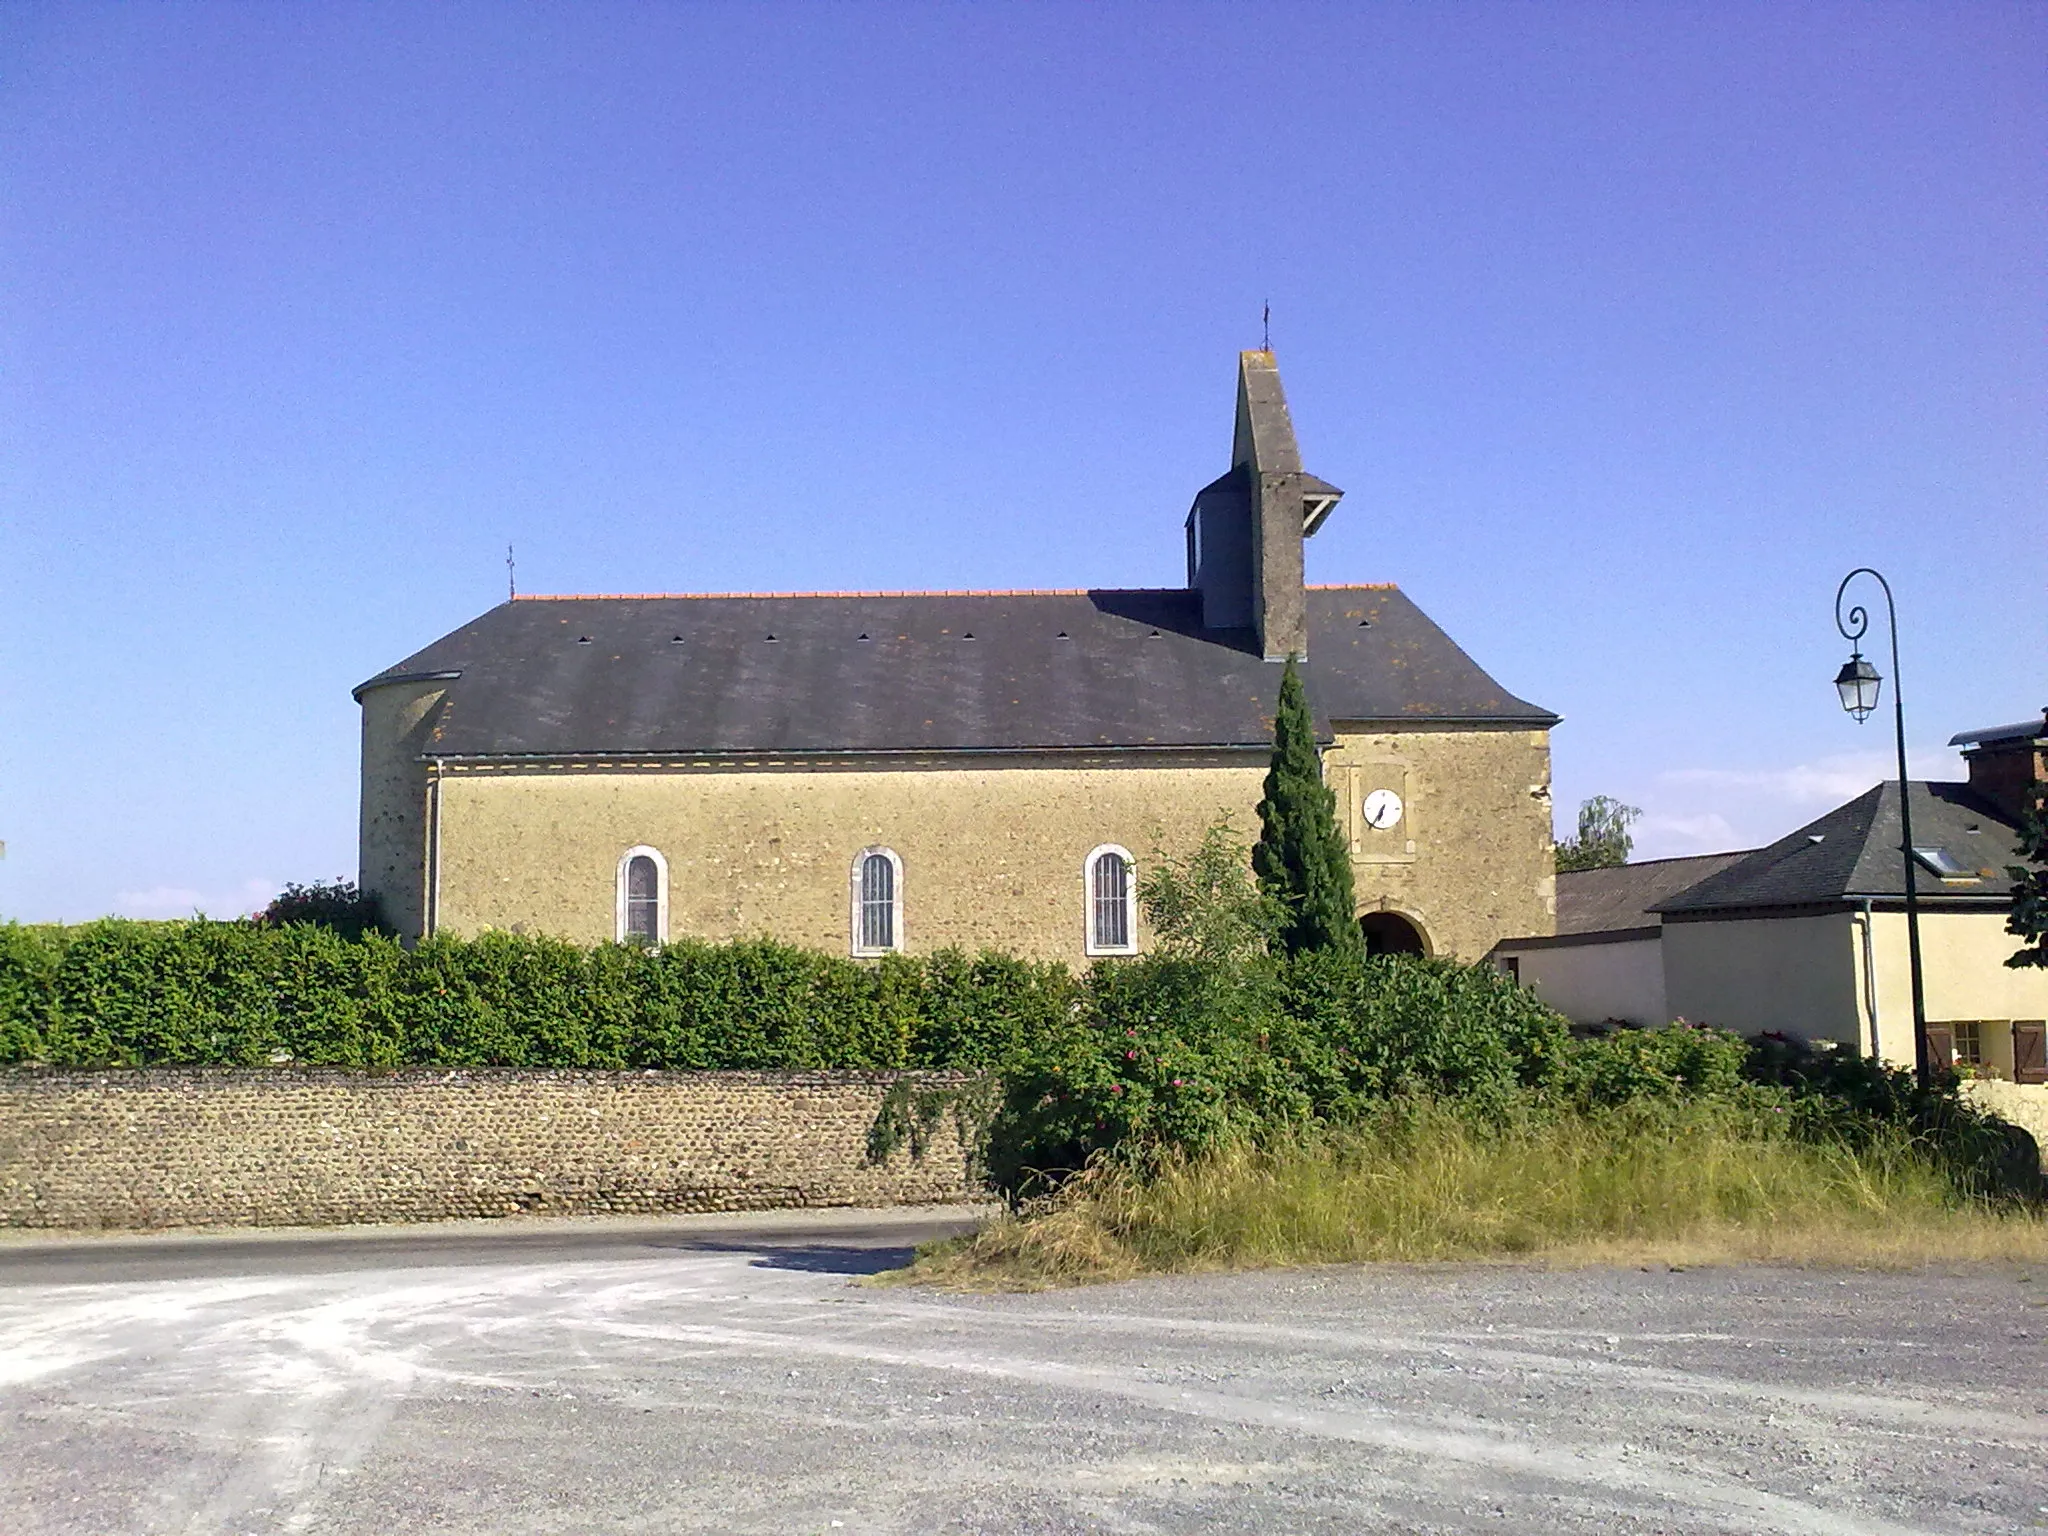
2024	1104
295	1147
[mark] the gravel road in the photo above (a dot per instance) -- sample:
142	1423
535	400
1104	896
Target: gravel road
734	1378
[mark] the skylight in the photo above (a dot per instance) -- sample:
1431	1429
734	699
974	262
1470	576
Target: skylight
1944	863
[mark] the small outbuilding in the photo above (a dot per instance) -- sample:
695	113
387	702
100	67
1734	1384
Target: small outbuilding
1605	963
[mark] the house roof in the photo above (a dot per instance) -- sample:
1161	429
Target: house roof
896	672
1853	854
1626	896
1990	735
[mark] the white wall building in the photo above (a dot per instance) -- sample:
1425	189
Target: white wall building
1807	937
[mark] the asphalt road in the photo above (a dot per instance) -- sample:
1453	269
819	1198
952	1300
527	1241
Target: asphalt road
733	1377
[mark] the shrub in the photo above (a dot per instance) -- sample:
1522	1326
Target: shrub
118	994
335	904
1418	1179
1176	1055
1370	1028
28	967
1208	906
1840	1096
1159	1052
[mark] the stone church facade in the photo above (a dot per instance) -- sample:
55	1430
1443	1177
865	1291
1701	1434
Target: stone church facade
870	772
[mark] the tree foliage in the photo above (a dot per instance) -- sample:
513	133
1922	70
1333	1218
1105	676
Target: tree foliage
1208	905
335	904
1603	839
2028	921
1301	859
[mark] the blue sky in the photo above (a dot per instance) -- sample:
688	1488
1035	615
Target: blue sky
1628	330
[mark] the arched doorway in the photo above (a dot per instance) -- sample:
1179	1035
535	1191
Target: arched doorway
1389	933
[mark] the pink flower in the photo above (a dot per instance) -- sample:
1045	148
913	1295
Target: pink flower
1178	1083
1130	1055
1116	1087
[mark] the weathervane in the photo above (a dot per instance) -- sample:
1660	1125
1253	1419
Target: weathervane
1266	324
511	575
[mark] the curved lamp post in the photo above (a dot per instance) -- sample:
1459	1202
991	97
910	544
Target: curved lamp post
1859	684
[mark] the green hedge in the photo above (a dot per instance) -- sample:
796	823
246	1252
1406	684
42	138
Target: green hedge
1164	1053
129	994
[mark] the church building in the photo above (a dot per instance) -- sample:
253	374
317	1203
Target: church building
870	772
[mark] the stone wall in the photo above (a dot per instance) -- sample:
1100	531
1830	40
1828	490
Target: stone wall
399	720
288	1147
992	849
1470	861
2024	1104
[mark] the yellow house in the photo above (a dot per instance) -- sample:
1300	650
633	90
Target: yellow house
874	772
1807	937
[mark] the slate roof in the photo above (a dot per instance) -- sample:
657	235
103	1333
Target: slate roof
1852	853
1992	735
919	672
1626	896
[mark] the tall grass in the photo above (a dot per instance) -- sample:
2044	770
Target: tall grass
1424	1181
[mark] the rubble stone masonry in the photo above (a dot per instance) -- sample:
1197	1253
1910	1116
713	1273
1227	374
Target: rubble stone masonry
993	850
290	1147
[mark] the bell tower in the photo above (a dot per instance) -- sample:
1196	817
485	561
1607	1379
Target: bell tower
1245	530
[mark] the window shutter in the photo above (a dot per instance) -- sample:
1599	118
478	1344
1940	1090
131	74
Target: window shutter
2030	1051
1941	1046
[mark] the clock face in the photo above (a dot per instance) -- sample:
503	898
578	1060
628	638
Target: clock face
1382	809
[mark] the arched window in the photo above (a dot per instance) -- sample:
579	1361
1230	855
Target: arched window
1112	902
877	902
643	897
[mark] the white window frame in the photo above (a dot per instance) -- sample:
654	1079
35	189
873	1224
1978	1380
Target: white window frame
660	892
1130	901
859	950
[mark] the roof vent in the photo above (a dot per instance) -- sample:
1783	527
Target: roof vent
1153	636
863	637
1062	635
675	639
967	634
771	638
1365	623
1816	837
583	639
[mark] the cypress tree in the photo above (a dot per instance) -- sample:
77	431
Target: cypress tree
1300	857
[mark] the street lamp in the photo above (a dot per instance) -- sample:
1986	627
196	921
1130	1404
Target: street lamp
1859	683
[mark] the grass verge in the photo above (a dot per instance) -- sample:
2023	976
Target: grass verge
1428	1183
